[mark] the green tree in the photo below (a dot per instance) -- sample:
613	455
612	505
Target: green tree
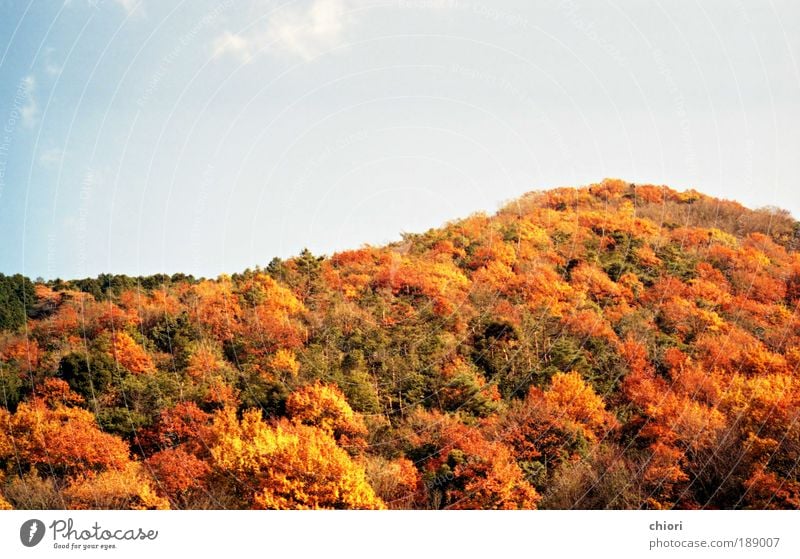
17	299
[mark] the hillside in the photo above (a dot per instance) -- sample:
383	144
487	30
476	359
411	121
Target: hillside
613	346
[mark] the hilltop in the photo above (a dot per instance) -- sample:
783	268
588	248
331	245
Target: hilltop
611	346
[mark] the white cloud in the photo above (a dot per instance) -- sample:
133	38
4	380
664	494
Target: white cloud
51	157
51	68
236	45
29	112
305	32
131	6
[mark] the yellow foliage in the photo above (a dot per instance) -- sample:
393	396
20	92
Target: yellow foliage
394	481
288	466
114	489
325	407
284	362
203	360
571	397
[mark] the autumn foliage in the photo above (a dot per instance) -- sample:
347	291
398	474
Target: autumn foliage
613	346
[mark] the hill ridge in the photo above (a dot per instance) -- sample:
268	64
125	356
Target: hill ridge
611	346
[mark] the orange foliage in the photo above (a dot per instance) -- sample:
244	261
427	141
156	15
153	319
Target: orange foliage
183	423
325	407
664	468
217	308
571	398
739	351
127	488
129	354
467	470
497	252
203	361
177	473
596	283
588	324
52	435
680	308
273	320
113	318
441	282
395	482
22	351
765	490
687	319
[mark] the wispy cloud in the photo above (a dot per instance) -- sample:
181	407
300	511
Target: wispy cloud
305	32
308	33
51	68
236	45
51	157
130	6
29	112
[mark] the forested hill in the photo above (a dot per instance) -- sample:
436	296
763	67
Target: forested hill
613	346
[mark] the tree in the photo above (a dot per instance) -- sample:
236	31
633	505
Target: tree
396	482
325	407
87	373
130	355
52	435
203	360
216	308
287	466
178	475
462	469
127	488
21	352
570	398
17	298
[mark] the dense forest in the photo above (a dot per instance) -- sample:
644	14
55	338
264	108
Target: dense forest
612	346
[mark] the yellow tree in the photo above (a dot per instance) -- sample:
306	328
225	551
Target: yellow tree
325	407
128	488
572	399
286	466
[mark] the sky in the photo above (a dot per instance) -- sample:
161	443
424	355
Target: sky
205	137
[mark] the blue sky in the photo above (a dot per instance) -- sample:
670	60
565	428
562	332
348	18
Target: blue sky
208	136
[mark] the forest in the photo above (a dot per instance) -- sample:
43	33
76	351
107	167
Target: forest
614	346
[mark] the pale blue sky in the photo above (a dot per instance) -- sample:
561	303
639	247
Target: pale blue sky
208	136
